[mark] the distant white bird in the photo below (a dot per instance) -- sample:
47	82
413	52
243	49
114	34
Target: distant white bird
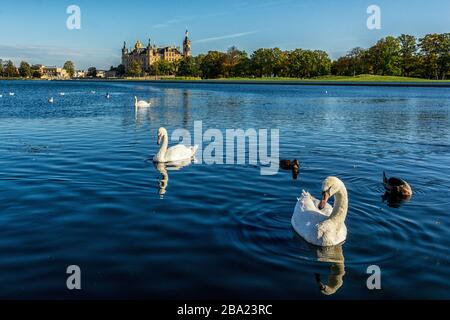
62	94
108	96
93	92
141	103
50	100
1	96
326	91
11	94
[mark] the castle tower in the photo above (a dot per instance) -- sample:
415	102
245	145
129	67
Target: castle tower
187	46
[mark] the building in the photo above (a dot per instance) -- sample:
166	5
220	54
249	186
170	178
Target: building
149	55
51	72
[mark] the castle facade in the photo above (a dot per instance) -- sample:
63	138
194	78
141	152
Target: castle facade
151	54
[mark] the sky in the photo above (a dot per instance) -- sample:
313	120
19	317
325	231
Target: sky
35	30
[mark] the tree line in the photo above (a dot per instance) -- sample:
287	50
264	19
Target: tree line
427	57
27	71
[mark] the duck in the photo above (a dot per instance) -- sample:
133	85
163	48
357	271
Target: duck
141	103
50	100
292	165
318	222
397	187
172	154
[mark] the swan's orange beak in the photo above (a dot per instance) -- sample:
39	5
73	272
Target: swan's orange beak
159	139
323	202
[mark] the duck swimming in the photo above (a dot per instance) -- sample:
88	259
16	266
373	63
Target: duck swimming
318	222
293	166
397	187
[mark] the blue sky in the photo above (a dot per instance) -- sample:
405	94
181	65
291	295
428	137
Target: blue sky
35	30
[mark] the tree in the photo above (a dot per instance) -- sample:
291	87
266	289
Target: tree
120	70
25	70
135	69
236	63
435	54
69	66
385	57
92	72
212	65
36	72
188	67
10	70
408	58
266	62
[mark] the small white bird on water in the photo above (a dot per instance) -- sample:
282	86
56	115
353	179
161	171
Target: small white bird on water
50	100
1	96
108	96
11	94
62	94
141	103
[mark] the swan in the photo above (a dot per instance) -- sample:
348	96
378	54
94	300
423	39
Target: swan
11	94
141	103
107	96
318	222
62	94
93	92
50	100
175	153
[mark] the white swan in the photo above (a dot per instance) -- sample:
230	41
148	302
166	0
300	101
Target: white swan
325	226
50	100
11	94
62	94
141	103
175	153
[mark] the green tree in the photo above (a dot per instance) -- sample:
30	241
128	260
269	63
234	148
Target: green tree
385	57
25	70
69	66
212	65
120	70
188	67
435	54
10	70
267	62
92	72
135	69
408	58
235	63
36	72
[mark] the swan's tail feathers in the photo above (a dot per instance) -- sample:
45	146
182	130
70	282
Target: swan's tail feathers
194	150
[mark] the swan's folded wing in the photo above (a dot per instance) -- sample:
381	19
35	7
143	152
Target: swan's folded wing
178	152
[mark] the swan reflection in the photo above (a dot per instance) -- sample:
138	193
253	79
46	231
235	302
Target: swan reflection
164	168
335	256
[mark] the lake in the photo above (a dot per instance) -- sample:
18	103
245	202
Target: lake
77	188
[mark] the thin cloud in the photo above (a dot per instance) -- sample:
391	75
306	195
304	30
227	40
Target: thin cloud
228	36
175	21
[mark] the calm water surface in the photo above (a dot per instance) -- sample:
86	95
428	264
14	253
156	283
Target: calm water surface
76	187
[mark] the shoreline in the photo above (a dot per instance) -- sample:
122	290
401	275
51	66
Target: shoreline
355	83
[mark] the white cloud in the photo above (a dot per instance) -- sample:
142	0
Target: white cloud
229	36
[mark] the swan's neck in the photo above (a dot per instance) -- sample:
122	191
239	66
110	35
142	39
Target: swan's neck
340	206
163	149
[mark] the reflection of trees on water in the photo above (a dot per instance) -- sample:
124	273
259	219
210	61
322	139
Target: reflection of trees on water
335	256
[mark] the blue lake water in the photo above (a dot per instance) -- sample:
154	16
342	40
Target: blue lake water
76	188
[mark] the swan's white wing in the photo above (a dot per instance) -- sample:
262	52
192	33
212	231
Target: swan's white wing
179	152
307	216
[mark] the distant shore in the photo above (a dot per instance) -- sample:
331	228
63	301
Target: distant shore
363	80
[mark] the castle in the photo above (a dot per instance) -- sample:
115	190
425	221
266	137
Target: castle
151	54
